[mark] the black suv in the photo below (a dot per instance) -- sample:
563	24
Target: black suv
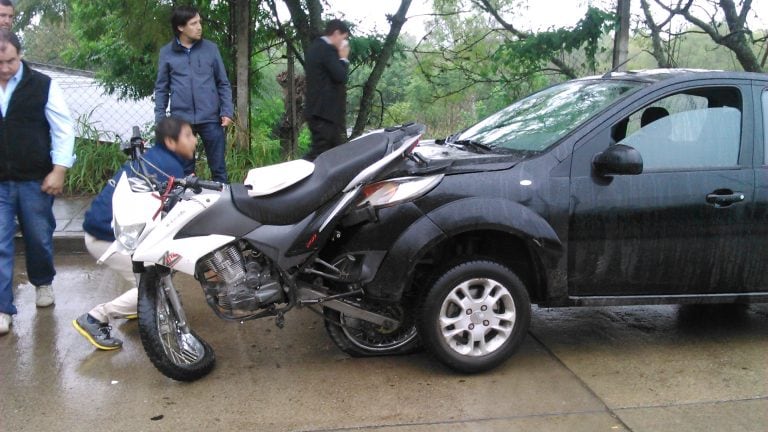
632	188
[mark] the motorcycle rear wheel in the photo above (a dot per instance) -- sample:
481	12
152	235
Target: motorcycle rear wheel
179	356
360	338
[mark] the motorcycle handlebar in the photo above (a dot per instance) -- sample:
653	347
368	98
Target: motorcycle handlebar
136	133
194	183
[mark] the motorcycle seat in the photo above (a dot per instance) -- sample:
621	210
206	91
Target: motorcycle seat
333	170
273	178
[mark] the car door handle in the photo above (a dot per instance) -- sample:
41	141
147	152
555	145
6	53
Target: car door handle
724	198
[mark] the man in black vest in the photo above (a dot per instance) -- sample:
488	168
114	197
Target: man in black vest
36	149
326	68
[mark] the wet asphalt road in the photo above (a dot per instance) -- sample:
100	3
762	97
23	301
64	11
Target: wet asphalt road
662	368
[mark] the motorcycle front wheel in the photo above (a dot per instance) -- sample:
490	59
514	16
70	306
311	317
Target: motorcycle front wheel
176	354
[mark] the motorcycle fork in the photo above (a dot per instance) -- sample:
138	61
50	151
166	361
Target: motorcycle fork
173	297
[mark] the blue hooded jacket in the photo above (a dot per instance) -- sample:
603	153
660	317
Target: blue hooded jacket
98	218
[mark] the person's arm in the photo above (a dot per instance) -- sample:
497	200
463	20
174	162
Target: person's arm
226	108
62	140
162	87
337	68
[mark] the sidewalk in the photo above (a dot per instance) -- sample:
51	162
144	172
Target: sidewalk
68	237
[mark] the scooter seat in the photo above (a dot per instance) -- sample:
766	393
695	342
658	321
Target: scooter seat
334	169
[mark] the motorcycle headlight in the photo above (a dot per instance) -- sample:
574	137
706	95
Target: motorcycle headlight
395	191
128	235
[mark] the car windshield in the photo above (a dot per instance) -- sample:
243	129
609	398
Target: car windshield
538	121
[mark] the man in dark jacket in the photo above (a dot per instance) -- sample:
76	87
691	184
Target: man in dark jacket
174	145
36	148
326	68
193	85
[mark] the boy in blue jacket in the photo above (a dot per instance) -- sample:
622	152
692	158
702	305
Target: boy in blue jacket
174	144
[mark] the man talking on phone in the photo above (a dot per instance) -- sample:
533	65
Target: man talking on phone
327	69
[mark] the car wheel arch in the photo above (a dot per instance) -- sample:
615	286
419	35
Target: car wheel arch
506	223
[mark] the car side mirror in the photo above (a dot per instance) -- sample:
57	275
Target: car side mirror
618	159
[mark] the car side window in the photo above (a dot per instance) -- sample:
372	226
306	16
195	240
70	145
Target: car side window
695	129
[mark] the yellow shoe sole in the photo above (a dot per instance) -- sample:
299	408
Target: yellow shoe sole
131	317
91	339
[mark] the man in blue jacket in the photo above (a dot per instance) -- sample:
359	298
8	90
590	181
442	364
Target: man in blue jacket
174	145
192	84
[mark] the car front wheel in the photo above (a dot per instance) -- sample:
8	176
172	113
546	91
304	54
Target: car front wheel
475	315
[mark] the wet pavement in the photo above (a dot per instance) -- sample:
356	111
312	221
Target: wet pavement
661	368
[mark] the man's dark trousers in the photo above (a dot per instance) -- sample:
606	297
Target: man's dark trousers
325	136
214	141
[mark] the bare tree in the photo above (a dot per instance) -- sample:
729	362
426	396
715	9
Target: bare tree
660	52
736	36
366	101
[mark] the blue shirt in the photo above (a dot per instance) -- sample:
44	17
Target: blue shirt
98	218
58	116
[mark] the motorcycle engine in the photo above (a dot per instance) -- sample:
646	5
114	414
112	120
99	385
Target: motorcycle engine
239	280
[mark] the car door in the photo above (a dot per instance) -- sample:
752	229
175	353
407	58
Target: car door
678	228
755	272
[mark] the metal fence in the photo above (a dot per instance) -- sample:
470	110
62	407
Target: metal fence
97	114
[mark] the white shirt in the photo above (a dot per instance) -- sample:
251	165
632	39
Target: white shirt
58	116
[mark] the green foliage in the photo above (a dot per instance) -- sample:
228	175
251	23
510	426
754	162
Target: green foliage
120	40
45	43
535	51
97	161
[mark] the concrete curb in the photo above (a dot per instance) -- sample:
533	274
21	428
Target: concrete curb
70	243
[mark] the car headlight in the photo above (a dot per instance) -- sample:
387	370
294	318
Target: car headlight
128	235
398	190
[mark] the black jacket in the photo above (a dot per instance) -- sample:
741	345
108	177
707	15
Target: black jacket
326	82
25	135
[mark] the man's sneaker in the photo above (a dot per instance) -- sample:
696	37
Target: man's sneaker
97	333
44	296
5	323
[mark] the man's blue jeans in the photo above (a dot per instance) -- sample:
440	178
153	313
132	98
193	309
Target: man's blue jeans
215	145
34	210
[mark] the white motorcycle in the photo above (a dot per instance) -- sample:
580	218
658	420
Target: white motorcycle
255	248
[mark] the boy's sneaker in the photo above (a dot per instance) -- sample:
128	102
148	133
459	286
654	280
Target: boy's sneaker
44	296
97	333
5	323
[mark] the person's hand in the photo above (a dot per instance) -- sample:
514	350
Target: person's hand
344	49
226	121
53	183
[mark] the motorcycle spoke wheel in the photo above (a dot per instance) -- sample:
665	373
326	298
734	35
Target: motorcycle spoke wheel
176	354
181	349
360	338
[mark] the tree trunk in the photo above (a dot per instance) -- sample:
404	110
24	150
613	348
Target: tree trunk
621	42
366	100
243	29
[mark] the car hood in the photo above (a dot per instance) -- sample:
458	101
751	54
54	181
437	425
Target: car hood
431	150
453	159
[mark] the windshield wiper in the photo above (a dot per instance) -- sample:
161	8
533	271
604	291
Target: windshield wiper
476	146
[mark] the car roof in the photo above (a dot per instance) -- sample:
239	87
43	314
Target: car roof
657	75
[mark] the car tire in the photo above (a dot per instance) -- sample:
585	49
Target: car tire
475	315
